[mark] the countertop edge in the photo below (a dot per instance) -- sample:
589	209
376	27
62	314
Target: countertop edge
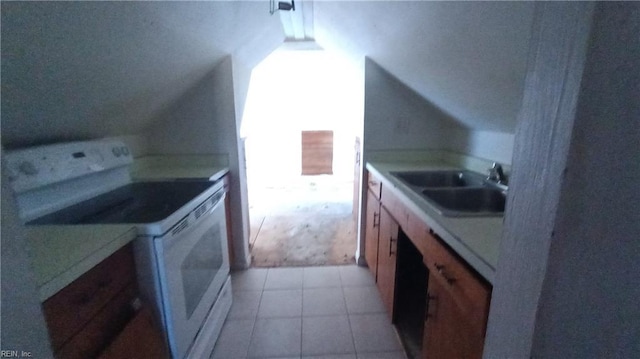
77	269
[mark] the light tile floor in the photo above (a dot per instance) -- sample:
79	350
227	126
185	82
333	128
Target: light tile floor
311	312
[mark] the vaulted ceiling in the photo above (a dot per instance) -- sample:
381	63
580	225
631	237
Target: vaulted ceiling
466	58
88	69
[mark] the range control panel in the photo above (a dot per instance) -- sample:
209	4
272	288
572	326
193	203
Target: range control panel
44	165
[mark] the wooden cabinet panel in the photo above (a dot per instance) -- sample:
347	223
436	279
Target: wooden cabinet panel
387	259
372	231
374	184
417	231
450	330
457	306
465	286
317	152
75	305
102	328
395	207
140	339
412	226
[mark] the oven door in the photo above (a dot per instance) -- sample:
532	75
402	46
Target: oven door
193	263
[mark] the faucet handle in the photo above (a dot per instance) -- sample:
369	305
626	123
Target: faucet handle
497	174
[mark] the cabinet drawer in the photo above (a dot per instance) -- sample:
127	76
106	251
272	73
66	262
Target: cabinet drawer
69	310
374	184
469	292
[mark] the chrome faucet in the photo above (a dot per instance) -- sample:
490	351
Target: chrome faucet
496	174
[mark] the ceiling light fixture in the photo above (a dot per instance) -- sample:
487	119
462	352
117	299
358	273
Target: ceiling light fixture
282	5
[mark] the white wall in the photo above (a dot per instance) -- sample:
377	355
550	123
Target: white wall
588	305
467	58
23	326
493	146
541	146
204	122
137	144
566	281
241	80
82	70
396	117
540	157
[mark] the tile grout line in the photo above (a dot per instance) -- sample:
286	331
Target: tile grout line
255	318
353	339
301	314
344	299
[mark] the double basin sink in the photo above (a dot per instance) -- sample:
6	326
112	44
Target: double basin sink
456	193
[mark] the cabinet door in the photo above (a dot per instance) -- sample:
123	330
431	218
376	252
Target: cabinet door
452	330
371	233
374	184
87	314
387	255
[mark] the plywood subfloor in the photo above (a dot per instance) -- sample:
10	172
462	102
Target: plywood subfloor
306	223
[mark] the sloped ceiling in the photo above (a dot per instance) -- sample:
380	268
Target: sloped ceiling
74	70
467	58
89	69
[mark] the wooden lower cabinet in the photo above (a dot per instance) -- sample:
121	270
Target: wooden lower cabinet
85	316
139	339
387	259
372	231
452	328
90	315
456	306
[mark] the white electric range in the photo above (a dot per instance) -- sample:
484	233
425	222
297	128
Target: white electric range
181	247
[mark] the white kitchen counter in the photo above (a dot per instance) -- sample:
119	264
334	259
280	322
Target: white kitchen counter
61	254
475	239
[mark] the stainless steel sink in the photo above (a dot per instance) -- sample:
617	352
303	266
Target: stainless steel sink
456	193
467	201
429	179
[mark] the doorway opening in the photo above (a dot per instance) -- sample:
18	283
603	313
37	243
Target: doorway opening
302	119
